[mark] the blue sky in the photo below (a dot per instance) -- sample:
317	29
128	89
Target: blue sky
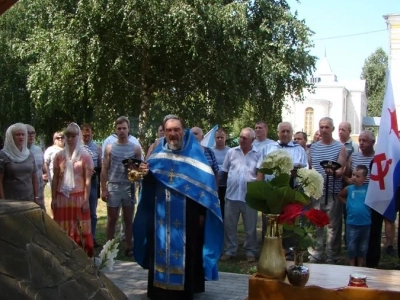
332	18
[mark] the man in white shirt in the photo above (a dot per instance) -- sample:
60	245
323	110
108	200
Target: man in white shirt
240	165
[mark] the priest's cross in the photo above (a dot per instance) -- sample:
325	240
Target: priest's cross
171	176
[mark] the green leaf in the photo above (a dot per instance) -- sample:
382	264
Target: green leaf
305	242
256	196
281	180
299	231
275	200
301	197
288	227
266	171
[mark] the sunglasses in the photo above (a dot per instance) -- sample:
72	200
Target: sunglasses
59	138
31	133
68	136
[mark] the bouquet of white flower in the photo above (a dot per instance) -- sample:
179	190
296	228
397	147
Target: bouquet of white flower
271	196
311	182
277	162
107	254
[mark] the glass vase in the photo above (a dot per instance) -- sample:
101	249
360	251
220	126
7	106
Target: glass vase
272	262
298	274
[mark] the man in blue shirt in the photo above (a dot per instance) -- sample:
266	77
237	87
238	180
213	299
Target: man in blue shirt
221	149
296	152
261	131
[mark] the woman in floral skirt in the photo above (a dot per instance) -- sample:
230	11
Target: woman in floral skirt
73	169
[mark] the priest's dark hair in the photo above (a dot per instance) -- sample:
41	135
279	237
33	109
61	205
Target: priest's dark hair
172	117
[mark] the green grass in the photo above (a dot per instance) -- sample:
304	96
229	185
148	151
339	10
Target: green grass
235	265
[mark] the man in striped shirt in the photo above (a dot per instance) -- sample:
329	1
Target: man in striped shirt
344	137
328	149
116	188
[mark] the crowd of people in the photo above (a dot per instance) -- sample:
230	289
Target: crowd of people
191	196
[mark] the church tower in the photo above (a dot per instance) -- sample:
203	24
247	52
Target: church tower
324	72
339	100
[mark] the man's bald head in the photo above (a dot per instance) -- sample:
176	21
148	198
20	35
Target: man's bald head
198	133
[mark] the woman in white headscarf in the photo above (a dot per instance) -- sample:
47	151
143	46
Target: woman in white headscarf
18	180
73	169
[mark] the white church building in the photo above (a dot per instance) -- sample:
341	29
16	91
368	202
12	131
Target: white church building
339	100
393	25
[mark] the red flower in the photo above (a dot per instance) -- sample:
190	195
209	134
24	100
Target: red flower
317	217
290	212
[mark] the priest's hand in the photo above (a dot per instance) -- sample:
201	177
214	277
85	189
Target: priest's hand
144	168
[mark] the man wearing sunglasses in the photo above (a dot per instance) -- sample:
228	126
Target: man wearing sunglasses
50	153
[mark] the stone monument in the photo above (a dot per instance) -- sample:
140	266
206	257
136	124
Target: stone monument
38	260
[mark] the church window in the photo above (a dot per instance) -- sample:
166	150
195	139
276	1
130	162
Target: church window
315	80
309	121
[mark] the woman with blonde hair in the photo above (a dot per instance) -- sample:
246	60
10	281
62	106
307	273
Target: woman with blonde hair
18	180
73	169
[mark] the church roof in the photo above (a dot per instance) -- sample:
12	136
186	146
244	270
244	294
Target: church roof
324	68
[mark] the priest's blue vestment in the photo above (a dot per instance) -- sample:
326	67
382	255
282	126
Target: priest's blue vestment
178	230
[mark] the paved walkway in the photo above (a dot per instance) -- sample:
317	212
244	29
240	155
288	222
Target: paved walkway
132	280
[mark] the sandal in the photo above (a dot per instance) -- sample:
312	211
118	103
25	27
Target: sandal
128	253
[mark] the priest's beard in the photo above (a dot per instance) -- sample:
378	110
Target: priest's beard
174	144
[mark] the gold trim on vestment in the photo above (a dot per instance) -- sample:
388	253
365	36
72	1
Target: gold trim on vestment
168	287
171	270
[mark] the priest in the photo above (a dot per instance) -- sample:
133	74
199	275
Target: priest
178	230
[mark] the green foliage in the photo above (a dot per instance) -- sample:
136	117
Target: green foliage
15	104
209	61
281	180
374	72
270	196
255	196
